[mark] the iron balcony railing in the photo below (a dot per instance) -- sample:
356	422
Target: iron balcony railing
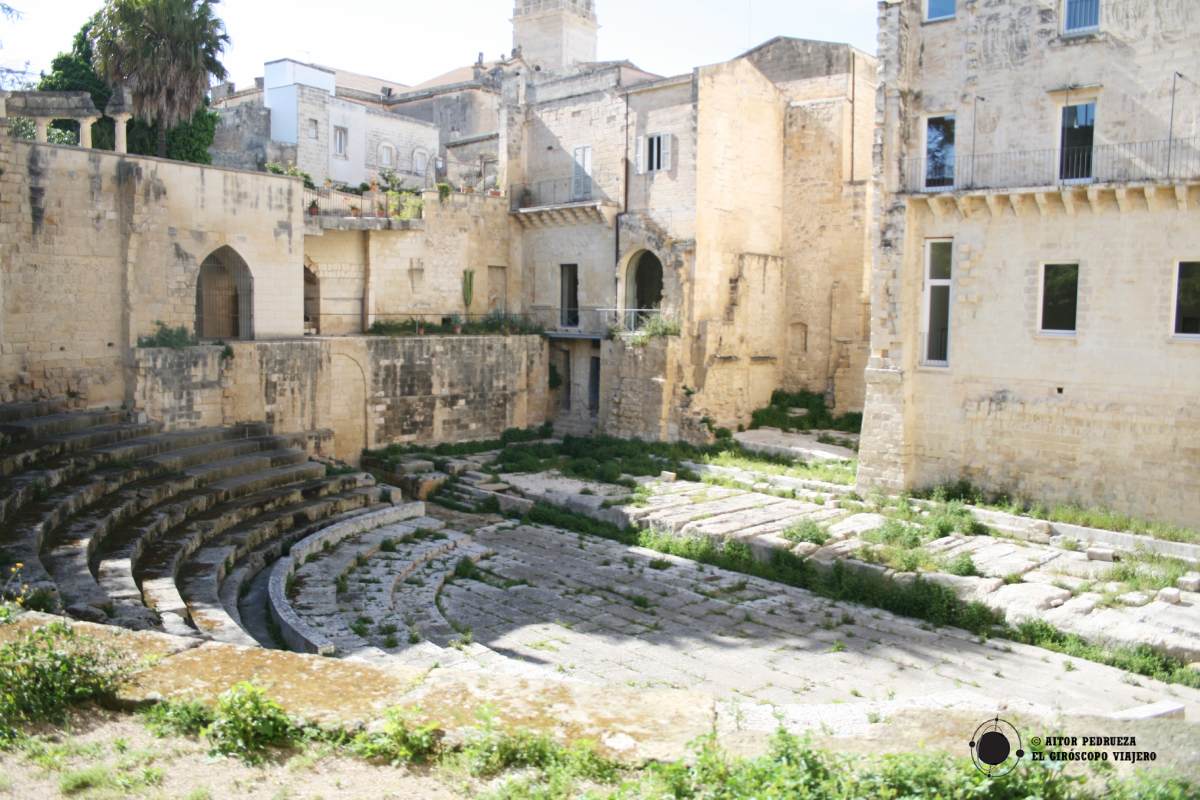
1108	163
380	204
577	188
594	321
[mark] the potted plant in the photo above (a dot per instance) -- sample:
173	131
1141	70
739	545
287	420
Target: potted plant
329	183
494	193
420	327
354	211
457	323
313	209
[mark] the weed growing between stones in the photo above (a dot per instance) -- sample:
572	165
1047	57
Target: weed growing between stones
807	531
1067	513
48	670
246	723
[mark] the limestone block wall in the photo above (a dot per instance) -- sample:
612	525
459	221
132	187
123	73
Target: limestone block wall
101	246
416	270
734	310
582	112
668	196
826	338
406	136
370	391
1103	417
638	386
1106	416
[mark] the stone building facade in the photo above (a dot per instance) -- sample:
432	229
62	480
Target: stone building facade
331	124
1036	289
640	200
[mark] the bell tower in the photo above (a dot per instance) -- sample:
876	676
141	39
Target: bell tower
555	34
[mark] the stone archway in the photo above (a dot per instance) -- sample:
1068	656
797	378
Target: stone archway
349	416
224	297
643	287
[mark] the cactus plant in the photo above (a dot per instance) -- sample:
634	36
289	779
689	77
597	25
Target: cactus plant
468	289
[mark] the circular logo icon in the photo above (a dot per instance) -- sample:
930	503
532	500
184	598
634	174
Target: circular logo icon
993	750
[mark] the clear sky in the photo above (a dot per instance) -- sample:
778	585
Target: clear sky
409	41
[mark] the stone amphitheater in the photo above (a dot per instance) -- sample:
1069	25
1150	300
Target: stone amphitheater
235	535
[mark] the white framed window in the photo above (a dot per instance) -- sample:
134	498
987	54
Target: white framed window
939	277
341	142
939	9
1081	16
420	161
387	155
581	173
654	154
1187	300
939	151
314	130
1060	299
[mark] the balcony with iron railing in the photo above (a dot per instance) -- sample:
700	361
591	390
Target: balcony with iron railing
592	322
1163	160
577	198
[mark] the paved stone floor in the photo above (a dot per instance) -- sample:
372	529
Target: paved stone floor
552	603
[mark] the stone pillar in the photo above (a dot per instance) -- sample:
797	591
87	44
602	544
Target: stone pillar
42	124
85	131
122	142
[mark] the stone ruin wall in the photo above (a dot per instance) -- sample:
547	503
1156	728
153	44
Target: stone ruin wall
369	391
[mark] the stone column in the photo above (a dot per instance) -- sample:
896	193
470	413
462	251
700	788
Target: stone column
122	142
42	124
85	131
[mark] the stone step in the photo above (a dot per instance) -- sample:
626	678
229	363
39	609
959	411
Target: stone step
239	466
38	450
217	597
15	492
42	427
114	562
143	510
109	501
163	586
13	412
162	557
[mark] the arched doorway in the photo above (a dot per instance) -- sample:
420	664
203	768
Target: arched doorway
643	288
224	297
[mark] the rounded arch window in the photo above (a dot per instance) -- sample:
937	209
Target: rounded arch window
387	155
420	161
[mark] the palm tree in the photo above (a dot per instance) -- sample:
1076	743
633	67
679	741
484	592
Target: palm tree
166	51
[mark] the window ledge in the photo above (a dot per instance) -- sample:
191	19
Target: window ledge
1188	338
1081	35
1068	336
937	367
939	20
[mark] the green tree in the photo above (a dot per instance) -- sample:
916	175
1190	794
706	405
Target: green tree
166	51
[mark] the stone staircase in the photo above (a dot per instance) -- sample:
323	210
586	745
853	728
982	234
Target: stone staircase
112	520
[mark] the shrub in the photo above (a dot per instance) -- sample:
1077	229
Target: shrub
807	531
247	723
168	718
962	565
401	740
168	337
50	669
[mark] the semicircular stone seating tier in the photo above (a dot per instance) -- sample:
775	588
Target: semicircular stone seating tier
369	589
112	520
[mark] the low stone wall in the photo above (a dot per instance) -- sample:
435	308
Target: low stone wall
370	391
295	632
